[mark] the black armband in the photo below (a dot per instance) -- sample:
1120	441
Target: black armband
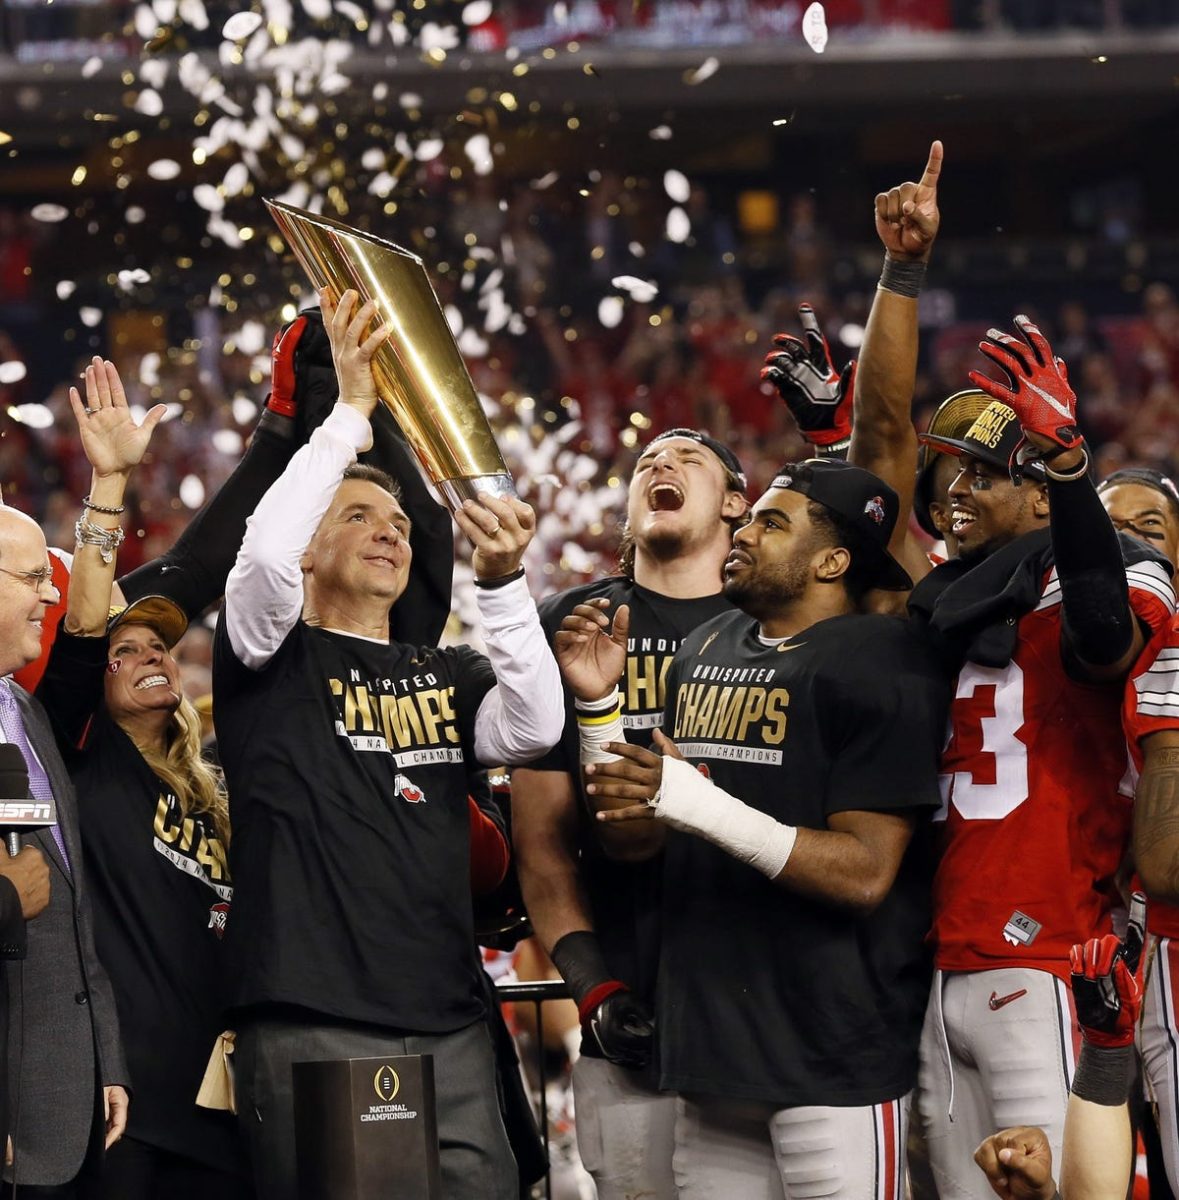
1103	1074
578	956
1095	598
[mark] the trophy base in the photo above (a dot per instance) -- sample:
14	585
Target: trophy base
474	487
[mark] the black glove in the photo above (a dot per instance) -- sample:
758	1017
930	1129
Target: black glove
818	396
621	1023
624	1028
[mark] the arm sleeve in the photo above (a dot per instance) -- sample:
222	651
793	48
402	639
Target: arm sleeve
523	715
193	571
71	689
1094	597
264	591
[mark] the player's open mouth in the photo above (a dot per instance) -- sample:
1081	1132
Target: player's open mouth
665	497
152	681
961	520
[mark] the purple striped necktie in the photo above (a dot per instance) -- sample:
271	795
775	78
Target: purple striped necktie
14	731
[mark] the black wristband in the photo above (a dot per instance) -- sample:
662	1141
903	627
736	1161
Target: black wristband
578	956
836	452
500	580
903	276
1103	1074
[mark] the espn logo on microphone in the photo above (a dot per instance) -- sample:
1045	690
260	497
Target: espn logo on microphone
22	811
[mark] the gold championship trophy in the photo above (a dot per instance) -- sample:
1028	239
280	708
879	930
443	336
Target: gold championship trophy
419	372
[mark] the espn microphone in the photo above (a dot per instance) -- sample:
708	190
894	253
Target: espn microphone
19	813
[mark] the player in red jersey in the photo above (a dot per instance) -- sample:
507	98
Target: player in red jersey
1044	611
1145	504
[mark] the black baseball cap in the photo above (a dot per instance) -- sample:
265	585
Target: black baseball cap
951	419
160	613
992	437
731	461
863	500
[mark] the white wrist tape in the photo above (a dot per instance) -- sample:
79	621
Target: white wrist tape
599	722
692	804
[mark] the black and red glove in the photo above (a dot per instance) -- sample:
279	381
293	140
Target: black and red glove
1106	990
282	368
620	1023
1038	389
818	396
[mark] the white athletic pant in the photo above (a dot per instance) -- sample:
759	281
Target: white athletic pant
735	1151
998	1048
1157	1038
624	1131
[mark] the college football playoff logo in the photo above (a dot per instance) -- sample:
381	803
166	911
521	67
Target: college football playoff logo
386	1084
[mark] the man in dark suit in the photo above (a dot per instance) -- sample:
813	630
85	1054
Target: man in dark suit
65	1067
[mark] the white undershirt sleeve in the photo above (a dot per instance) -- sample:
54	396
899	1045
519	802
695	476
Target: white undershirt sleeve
264	591
523	715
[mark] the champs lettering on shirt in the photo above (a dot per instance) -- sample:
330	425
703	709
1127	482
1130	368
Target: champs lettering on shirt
191	845
764	994
347	766
624	897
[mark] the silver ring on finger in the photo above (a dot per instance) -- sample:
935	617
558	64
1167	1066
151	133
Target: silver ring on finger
88	411
496	530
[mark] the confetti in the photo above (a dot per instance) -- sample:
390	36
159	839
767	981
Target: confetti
706	70
35	416
65	288
91	67
163	169
678	227
610	311
227	442
641	291
676	185
661	133
814	27
476	12
12	372
49	213
192	491
241	25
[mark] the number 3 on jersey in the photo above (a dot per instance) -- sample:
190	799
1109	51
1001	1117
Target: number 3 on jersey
985	764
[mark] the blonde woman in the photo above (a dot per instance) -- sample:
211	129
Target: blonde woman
154	828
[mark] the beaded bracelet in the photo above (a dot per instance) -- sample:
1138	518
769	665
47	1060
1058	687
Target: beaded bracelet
102	508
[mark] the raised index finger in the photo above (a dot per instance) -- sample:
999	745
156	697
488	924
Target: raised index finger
933	168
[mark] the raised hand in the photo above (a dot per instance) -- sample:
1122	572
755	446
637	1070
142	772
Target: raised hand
591	650
818	396
1037	387
112	441
907	216
1106	990
500	529
352	351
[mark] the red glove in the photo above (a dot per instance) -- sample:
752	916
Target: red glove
1039	389
818	396
282	368
1106	990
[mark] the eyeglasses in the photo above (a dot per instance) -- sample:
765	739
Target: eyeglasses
35	579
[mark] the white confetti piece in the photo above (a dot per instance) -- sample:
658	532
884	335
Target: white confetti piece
610	311
154	72
437	37
472	345
149	102
545	181
192	12
227	442
135	215
373	159
65	288
235	179
163	169
192	491
409	100
641	291
251	337
12	372
49	213
318	10
476	12
814	27
145	22
706	70
131	278
661	133
241	25
478	150
149	369
678	226
35	416
244	410
676	185
428	149
91	67
90	317
208	197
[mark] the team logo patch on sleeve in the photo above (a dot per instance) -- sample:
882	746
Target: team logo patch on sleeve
1020	929
218	916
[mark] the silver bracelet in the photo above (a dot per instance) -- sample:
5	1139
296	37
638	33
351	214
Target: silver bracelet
86	533
903	276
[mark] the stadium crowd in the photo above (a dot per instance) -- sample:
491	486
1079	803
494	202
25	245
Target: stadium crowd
779	891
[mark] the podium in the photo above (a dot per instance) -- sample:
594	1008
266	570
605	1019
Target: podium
366	1129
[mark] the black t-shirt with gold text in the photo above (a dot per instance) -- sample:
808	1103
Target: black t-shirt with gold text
346	761
764	994
624	896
